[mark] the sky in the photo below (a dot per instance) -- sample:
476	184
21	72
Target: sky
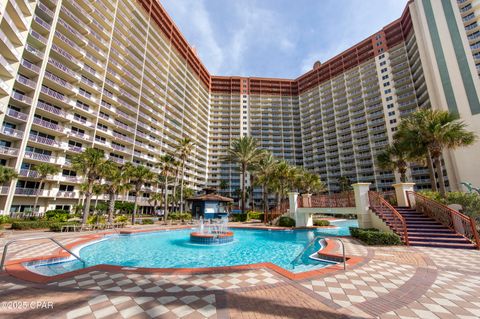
276	38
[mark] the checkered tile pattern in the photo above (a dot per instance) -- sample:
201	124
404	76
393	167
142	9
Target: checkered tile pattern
453	295
167	306
370	281
453	258
154	283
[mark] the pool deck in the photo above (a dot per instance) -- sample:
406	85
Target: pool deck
381	282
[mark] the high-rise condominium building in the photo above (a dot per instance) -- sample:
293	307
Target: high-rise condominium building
119	76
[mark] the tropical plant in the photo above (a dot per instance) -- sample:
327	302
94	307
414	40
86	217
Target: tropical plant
265	175
139	175
167	168
282	179
244	151
89	164
43	171
184	150
430	132
344	183
156	199
311	183
115	182
396	157
97	190
223	185
7	174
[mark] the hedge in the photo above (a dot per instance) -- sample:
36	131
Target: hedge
371	236
36	224
56	227
239	217
286	222
58	215
147	221
321	222
179	216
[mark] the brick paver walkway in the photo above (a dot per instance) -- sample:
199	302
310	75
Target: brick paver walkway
391	282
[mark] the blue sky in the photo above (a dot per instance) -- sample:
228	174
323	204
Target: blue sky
276	38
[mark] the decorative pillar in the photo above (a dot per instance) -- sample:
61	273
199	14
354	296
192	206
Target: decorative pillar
362	204
401	190
292	198
307	200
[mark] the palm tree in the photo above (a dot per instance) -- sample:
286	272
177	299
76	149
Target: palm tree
89	164
139	175
43	171
184	150
244	151
223	185
344	183
156	199
252	171
116	180
97	191
265	174
167	167
282	179
7	174
311	183
436	131
396	157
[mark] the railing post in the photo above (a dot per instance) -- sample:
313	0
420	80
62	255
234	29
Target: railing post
401	190
362	204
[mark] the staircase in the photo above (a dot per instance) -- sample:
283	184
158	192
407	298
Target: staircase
426	231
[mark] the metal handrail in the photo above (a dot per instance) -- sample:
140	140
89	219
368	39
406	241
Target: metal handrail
458	222
5	249
295	261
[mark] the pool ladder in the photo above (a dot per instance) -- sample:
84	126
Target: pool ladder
313	241
5	249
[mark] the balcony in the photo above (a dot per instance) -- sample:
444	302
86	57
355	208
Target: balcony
17	115
43	140
38	157
28	173
11	132
30	66
8	151
30	192
19	97
48	125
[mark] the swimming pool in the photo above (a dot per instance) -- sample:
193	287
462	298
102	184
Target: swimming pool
173	249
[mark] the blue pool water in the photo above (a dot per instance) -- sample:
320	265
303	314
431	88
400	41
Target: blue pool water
172	249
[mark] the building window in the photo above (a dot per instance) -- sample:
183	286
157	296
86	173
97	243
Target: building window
386	84
388	91
385	77
390	106
389	98
384	70
393	121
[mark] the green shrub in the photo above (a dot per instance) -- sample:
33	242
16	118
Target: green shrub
96	219
56	227
124	208
58	215
255	215
286	221
147	221
371	236
321	222
4	219
180	216
121	219
239	217
35	224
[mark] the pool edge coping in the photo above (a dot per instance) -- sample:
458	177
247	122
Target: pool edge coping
17	269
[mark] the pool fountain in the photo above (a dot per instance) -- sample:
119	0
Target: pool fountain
212	233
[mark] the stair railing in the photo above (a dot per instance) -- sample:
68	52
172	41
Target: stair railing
388	213
460	223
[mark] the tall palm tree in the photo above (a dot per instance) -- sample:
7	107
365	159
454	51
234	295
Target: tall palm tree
252	171
282	179
311	183
265	175
139	175
396	157
167	168
344	183
116	181
43	171
184	149
98	190
89	164
244	151
437	131
156	199
7	174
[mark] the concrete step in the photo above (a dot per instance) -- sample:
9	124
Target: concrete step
442	245
438	239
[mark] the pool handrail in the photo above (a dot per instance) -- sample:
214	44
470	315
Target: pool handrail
5	248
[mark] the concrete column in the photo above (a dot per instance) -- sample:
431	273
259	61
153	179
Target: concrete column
292	198
362	204
401	193
307	200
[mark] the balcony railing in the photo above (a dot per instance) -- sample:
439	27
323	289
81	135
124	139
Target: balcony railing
43	140
4	150
12	132
17	115
38	156
48	125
